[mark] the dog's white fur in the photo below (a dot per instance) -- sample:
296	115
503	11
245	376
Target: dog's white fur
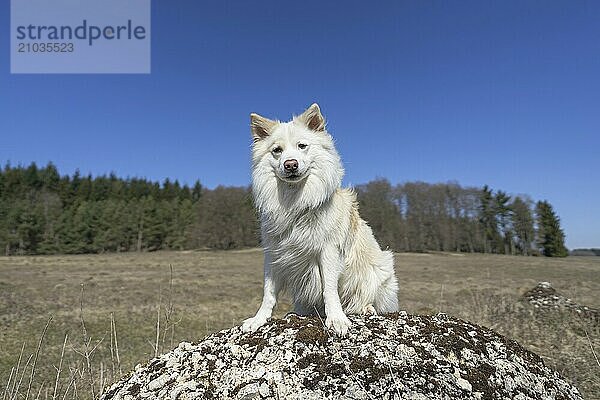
316	245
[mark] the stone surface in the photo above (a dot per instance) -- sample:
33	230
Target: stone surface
396	356
544	296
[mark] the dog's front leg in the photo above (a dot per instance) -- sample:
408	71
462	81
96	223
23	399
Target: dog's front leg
331	268
269	300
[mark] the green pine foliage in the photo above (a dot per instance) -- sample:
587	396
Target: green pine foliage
489	221
550	236
42	212
504	221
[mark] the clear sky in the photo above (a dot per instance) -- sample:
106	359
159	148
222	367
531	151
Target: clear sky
504	93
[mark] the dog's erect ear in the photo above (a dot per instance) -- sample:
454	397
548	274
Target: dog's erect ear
313	118
260	126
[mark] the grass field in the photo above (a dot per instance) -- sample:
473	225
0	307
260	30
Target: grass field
209	291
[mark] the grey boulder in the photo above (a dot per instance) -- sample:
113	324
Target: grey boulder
396	356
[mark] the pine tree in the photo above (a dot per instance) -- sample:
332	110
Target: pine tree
503	218
49	208
150	224
50	177
196	191
108	233
487	219
32	177
81	228
550	236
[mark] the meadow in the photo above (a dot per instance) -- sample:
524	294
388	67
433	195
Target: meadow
100	315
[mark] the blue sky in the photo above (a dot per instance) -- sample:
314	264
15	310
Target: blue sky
499	93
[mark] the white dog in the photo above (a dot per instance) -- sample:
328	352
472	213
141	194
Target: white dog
316	245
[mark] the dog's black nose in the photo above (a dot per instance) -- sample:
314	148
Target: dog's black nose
290	165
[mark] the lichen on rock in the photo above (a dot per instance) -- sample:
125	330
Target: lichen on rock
395	356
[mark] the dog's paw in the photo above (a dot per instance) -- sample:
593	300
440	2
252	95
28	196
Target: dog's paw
369	310
252	324
339	323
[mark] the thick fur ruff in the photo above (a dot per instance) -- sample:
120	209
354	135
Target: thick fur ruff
316	245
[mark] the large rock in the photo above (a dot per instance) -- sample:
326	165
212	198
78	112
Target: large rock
543	296
397	356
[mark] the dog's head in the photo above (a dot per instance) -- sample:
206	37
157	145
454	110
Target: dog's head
299	153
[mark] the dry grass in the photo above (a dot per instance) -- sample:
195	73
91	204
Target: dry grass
113	326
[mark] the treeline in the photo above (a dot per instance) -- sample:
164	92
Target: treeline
418	216
586	252
42	212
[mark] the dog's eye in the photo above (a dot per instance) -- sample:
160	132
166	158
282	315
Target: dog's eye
302	146
277	150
